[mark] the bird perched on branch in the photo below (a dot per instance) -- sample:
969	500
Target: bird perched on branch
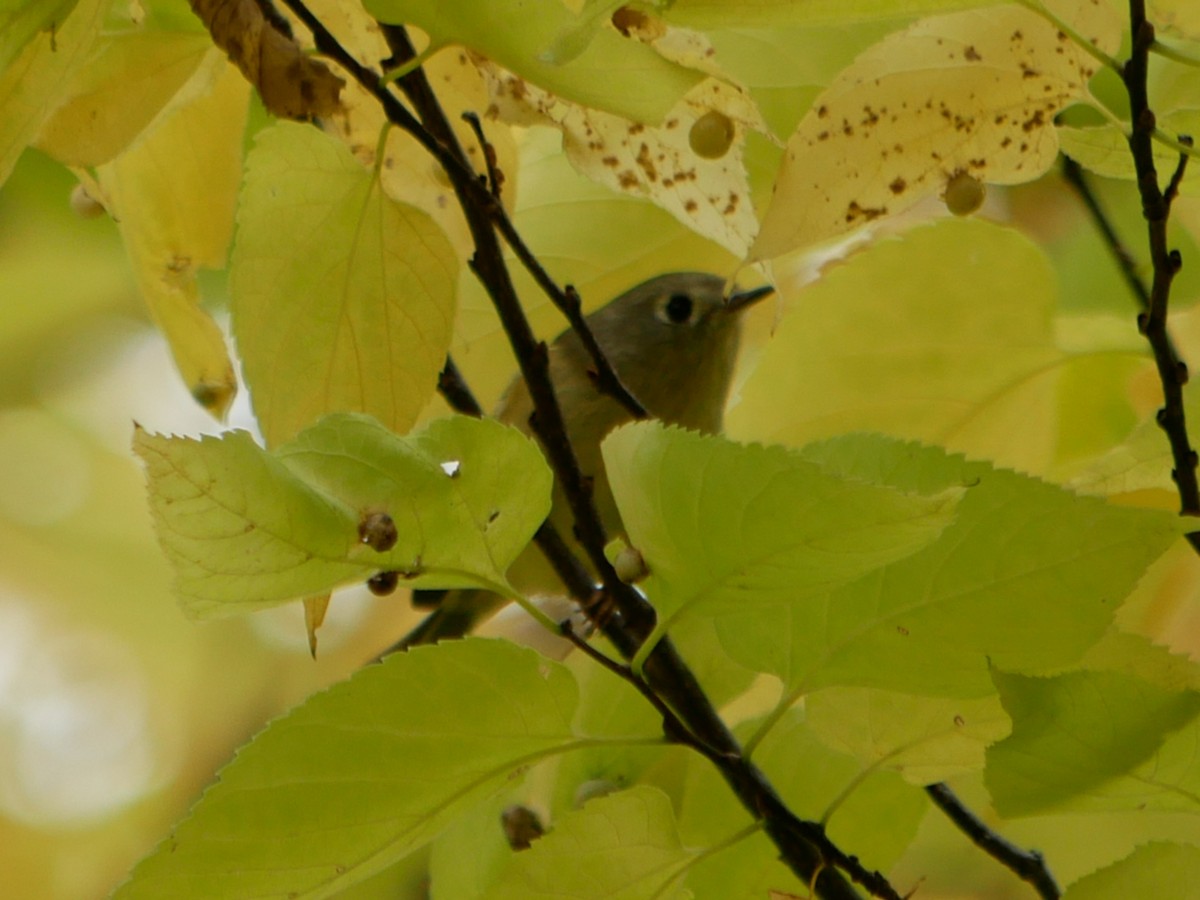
673	342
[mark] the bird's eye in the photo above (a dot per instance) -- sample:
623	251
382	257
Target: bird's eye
678	308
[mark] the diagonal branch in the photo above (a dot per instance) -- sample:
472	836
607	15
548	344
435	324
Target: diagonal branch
1029	865
803	845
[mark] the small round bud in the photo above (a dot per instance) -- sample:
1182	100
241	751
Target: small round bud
383	583
84	205
964	194
377	530
711	135
630	566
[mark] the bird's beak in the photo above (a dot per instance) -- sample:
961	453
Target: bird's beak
739	300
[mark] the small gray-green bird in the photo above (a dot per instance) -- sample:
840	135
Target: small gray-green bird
673	341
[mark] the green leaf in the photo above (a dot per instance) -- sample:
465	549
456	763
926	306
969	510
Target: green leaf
611	73
729	529
1096	740
624	846
343	299
245	529
1027	574
1152	870
874	812
924	739
360	775
21	20
1104	149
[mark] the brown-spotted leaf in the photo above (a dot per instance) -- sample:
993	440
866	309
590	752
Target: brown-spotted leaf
697	176
973	92
292	85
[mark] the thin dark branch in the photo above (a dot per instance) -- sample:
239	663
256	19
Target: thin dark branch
1156	207
1029	865
494	175
1172	190
454	390
1074	176
803	846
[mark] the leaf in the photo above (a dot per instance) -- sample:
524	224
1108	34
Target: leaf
612	74
292	85
246	529
1104	149
342	298
172	194
973	92
875	812
768	13
709	192
21	20
956	357
1027	575
624	845
128	81
1158	869
1179	17
32	84
364	773
726	529
923	739
1085	738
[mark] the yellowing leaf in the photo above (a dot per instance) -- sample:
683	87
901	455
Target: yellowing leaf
766	13
1182	17
924	739
408	172
1104	149
706	190
972	92
343	299
21	20
33	83
125	84
957	357
613	74
172	195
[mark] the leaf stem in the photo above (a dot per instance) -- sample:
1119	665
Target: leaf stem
1173	53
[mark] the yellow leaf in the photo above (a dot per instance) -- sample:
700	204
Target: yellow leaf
31	86
409	173
343	299
972	92
314	616
707	191
173	195
126	82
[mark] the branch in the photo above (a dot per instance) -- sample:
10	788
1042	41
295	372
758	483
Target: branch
1029	865
1156	207
803	845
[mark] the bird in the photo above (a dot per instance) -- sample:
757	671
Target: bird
673	342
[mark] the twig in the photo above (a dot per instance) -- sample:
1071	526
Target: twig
1029	865
494	175
454	390
1074	176
802	845
1156	206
